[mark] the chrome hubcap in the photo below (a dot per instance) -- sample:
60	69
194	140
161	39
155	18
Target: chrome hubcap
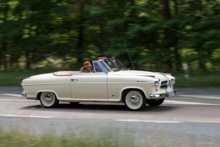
134	100
48	98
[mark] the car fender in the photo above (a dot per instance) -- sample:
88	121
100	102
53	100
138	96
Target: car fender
132	87
46	91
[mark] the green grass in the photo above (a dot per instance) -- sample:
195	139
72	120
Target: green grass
201	79
16	139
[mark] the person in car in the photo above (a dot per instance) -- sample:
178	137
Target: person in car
86	67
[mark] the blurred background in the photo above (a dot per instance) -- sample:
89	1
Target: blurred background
38	36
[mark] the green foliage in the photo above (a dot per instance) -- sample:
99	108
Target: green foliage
154	32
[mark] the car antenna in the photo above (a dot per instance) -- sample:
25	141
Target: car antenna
129	57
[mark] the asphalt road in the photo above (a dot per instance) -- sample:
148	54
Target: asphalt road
192	118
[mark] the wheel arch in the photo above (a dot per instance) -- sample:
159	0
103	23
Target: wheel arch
38	93
125	90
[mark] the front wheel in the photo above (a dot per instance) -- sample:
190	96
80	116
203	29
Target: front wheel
135	100
155	102
48	99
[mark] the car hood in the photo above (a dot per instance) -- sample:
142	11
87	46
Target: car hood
158	75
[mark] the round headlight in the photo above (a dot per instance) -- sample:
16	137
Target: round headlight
157	83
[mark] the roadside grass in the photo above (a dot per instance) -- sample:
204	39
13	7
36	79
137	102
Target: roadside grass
16	139
201	79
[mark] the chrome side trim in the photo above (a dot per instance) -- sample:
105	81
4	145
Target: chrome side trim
110	83
45	84
130	83
88	83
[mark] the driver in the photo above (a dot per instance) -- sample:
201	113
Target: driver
86	67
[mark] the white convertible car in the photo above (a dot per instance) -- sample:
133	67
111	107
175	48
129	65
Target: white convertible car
121	85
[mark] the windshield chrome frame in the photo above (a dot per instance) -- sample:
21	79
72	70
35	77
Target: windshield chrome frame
98	62
109	69
101	63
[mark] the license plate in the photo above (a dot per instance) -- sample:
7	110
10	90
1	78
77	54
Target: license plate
170	94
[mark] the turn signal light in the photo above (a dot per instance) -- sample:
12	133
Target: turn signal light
153	76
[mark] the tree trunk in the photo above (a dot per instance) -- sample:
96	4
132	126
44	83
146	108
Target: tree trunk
178	60
4	46
202	64
28	61
4	43
132	14
167	37
101	34
12	57
17	60
0	58
166	9
80	33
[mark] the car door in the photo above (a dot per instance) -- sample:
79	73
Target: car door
89	86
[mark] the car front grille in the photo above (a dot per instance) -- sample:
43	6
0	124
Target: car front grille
163	85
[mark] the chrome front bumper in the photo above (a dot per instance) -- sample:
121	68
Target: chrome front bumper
23	94
163	95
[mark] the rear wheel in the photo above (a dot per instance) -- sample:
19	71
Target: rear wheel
48	99
135	100
156	102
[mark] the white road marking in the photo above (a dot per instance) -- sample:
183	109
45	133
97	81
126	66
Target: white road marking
154	121
12	115
16	95
200	96
16	100
189	103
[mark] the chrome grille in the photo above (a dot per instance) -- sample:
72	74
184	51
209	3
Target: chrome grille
163	85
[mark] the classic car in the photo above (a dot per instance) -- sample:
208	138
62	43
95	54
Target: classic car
110	81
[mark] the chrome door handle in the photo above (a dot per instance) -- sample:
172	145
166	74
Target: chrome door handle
74	80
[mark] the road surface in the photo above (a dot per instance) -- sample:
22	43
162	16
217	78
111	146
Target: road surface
192	118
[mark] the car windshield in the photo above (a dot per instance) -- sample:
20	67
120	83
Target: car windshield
112	64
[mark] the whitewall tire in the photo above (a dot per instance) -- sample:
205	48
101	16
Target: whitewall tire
135	100
48	99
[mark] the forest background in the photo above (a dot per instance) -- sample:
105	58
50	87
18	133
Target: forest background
46	35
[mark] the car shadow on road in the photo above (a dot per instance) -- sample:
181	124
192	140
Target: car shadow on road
97	107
